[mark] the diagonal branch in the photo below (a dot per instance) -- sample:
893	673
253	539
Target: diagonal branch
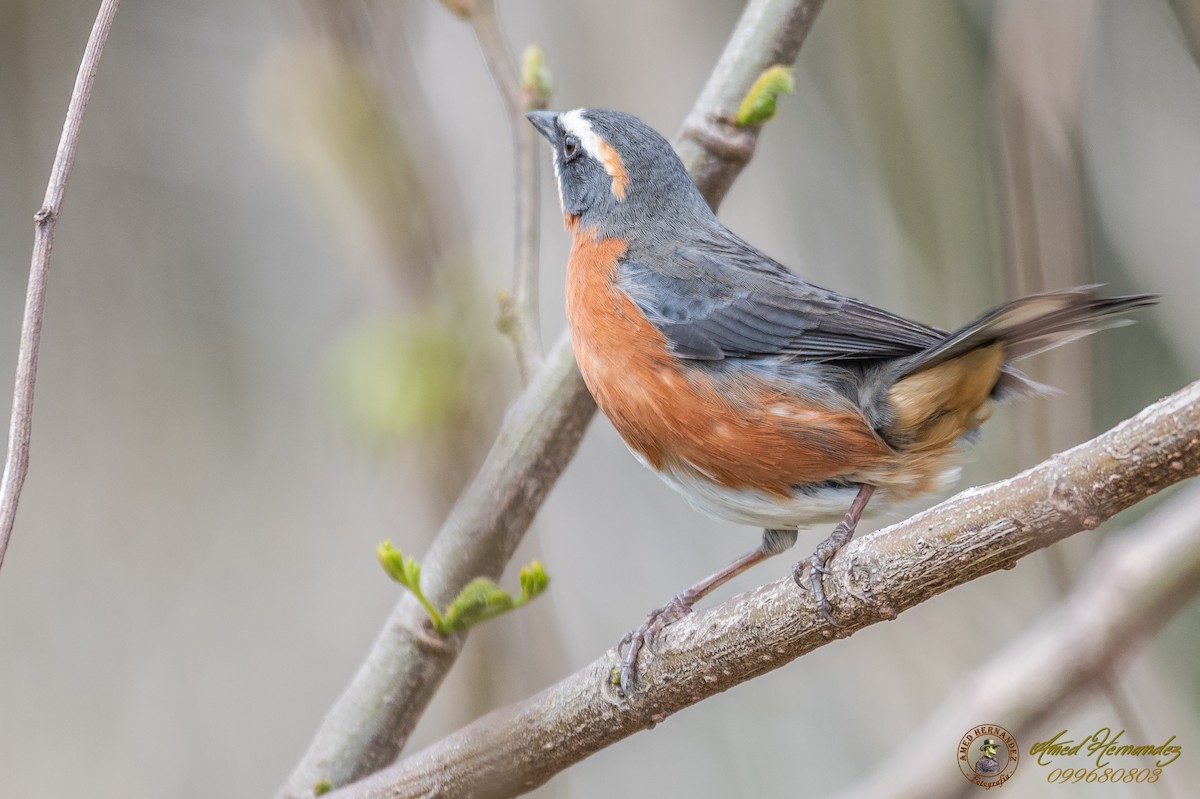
370	722
713	147
21	425
981	530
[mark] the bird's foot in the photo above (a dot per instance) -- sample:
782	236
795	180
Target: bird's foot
816	563
825	551
679	606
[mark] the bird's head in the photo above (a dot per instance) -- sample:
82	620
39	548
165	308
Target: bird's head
615	171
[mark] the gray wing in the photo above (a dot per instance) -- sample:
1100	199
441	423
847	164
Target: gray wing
734	302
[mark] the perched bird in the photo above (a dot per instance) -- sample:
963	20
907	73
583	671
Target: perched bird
764	399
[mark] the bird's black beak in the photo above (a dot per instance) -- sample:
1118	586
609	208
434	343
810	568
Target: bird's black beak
545	121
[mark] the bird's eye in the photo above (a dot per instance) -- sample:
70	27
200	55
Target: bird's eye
570	147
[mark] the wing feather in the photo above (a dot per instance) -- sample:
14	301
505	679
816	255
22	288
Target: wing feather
731	301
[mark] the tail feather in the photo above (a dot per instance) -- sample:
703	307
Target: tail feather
942	393
1031	325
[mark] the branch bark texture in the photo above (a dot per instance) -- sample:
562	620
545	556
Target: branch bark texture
20	429
369	724
981	530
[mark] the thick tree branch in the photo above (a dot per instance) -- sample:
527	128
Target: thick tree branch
1132	588
21	424
370	722
981	530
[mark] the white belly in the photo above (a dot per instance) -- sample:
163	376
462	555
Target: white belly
760	509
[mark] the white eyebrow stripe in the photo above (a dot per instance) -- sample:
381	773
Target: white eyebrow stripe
576	124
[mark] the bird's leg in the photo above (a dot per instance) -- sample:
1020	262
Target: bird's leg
825	551
773	542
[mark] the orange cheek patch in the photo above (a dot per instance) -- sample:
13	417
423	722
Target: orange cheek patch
614	166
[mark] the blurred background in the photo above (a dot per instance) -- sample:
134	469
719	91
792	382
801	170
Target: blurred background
270	342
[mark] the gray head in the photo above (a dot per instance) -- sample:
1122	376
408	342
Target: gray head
615	171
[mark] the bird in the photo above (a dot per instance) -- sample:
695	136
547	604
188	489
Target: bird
763	399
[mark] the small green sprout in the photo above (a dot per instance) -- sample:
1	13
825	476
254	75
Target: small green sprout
759	105
406	571
480	600
533	581
322	787
535	79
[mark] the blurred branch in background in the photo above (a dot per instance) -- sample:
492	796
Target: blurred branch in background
1188	12
982	530
370	722
1040	64
1136	584
519	93
16	464
412	376
409	377
1040	55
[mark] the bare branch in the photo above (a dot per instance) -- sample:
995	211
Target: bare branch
21	425
497	54
1134	586
517	748
519	316
370	722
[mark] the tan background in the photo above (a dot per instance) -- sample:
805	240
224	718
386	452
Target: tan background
192	578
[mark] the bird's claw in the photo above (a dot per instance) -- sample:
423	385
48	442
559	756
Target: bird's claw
679	606
816	583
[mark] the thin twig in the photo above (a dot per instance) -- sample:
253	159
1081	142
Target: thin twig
1132	588
519	314
496	53
370	722
21	425
982	530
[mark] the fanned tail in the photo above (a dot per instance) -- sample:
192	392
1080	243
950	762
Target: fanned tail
1030	325
942	393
